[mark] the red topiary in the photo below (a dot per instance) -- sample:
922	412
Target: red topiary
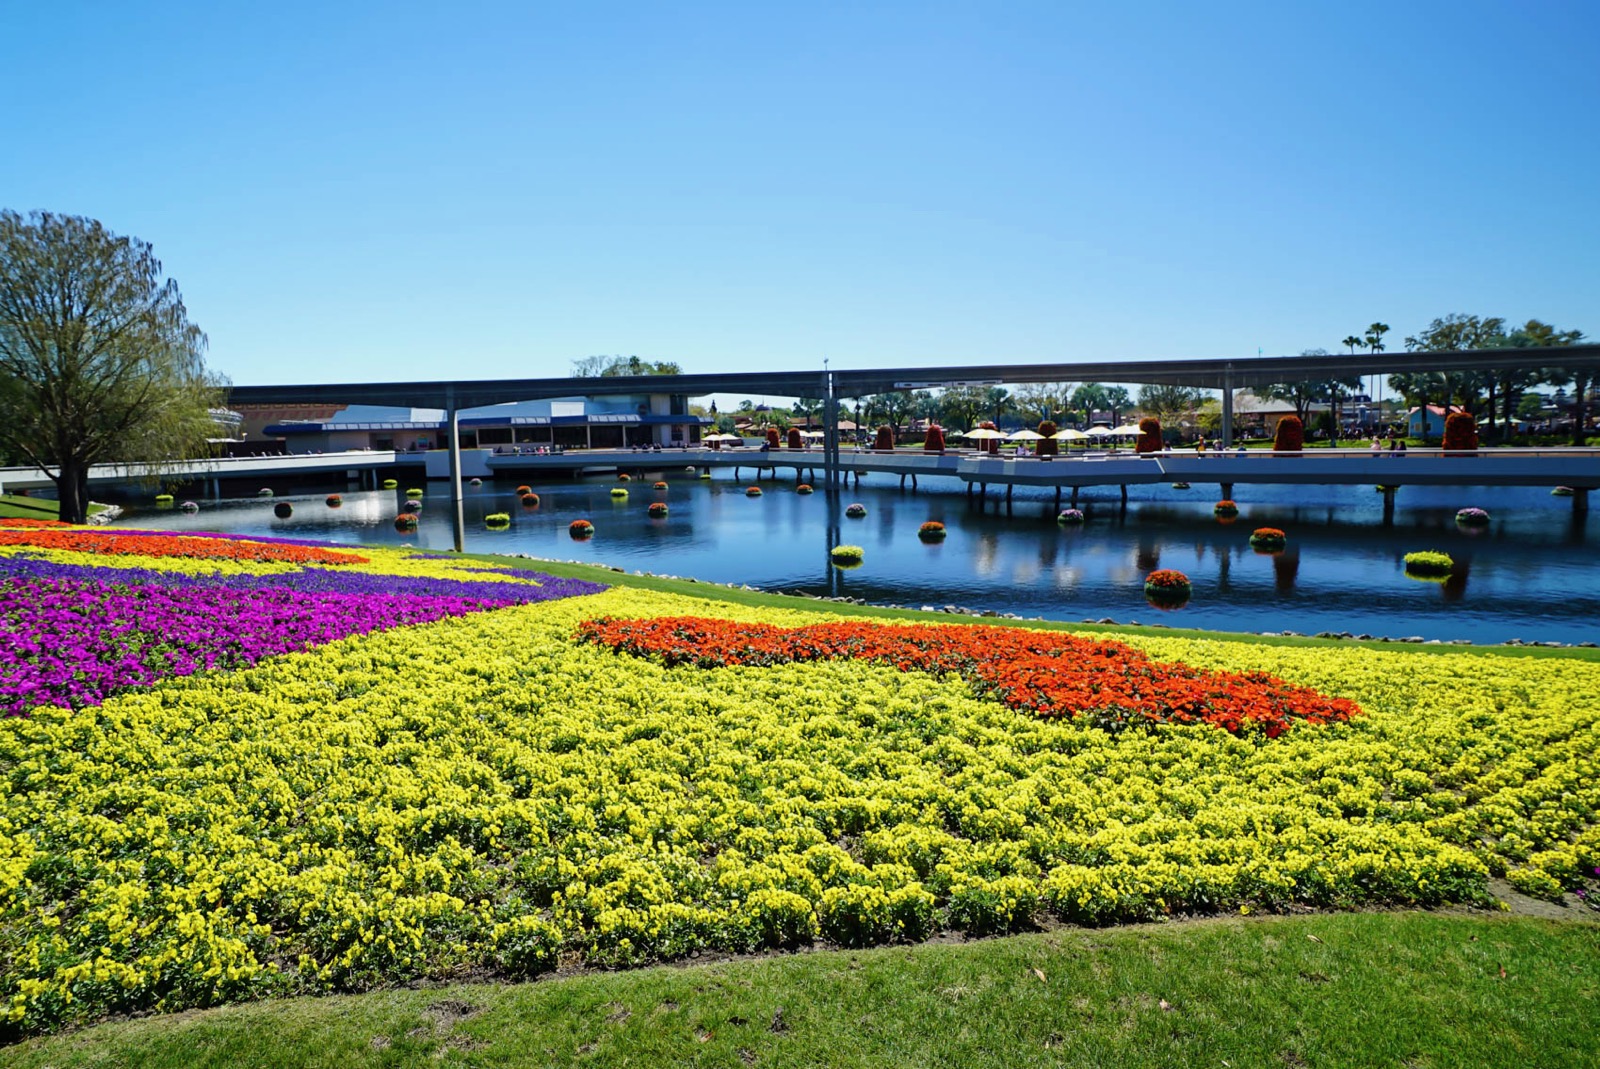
1291	435
772	437
935	440
884	443
1048	444
1460	431
795	441
1150	440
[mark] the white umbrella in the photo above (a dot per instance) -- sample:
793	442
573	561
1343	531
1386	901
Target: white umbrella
722	438
1100	430
982	433
1024	436
813	434
1127	429
1068	435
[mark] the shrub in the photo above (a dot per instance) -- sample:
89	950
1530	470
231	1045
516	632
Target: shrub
932	531
1149	440
658	509
414	493
1268	538
778	918
1290	436
934	443
980	906
406	521
526	946
1070	516
772	438
530	500
795	440
1460	431
803	488
580	528
334	501
1472	517
1226	507
847	553
497	519
855	511
884	440
1048	445
283	510
1428	562
752	491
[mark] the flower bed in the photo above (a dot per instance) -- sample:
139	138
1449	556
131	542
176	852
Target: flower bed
482	794
1428	563
1167	586
1268	538
1472	517
497	520
333	501
529	500
283	510
803	488
1561	491
406	521
659	486
390	484
847	554
932	531
417	492
752	491
618	492
163	500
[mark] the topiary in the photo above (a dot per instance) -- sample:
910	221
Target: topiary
772	437
1290	436
795	439
1460	432
163	500
1428	564
847	553
659	486
414	493
580	528
988	445
1149	440
390	484
1048	444
884	442
1167	588
752	491
618	492
1225	507
1268	538
934	443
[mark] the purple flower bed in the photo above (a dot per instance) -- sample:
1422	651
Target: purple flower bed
74	634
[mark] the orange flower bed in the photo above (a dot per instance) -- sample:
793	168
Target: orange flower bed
32	523
116	543
1048	674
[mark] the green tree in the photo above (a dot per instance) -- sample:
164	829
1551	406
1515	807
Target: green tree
1303	393
98	359
1039	401
616	366
1352	341
1118	401
962	406
1170	404
1582	379
1451	333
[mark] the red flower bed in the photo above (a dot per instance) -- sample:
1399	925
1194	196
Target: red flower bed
1045	673
33	523
149	545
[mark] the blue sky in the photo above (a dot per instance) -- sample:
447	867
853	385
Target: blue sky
357	192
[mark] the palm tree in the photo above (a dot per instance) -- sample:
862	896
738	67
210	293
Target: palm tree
1352	341
1117	399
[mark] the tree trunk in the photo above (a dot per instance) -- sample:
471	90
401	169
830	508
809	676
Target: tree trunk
74	505
1580	407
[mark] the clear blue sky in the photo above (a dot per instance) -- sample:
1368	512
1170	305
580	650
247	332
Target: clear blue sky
372	191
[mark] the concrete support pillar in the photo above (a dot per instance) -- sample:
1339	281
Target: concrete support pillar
1227	490
1580	499
1227	407
457	515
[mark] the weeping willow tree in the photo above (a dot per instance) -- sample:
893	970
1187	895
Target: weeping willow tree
98	359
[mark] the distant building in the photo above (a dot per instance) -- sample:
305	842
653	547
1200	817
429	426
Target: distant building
1428	421
570	423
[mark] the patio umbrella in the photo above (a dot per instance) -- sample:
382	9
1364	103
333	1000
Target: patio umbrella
813	434
1024	436
1100	430
982	434
1068	435
1127	430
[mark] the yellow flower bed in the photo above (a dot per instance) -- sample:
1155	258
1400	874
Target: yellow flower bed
481	791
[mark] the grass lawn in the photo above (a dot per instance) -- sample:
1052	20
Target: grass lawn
14	507
1385	989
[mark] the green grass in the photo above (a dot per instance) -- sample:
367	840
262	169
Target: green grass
741	596
13	507
1395	989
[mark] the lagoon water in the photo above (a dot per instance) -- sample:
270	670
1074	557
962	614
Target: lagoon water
1533	573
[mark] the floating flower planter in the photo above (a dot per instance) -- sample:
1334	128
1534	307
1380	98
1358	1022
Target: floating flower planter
659	486
283	510
497	520
265	491
1384	489
530	500
413	493
1428	564
1225	507
1561	491
474	482
334	501
1180	486
1070	517
803	488
847	556
855	511
189	506
705	475
390	484
580	529
752	491
689	470
618	492
524	490
658	510
624	477
164	501
411	505
1268	539
406	521
1167	588
1472	517
932	531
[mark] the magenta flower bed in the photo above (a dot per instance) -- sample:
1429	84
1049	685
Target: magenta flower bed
73	634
